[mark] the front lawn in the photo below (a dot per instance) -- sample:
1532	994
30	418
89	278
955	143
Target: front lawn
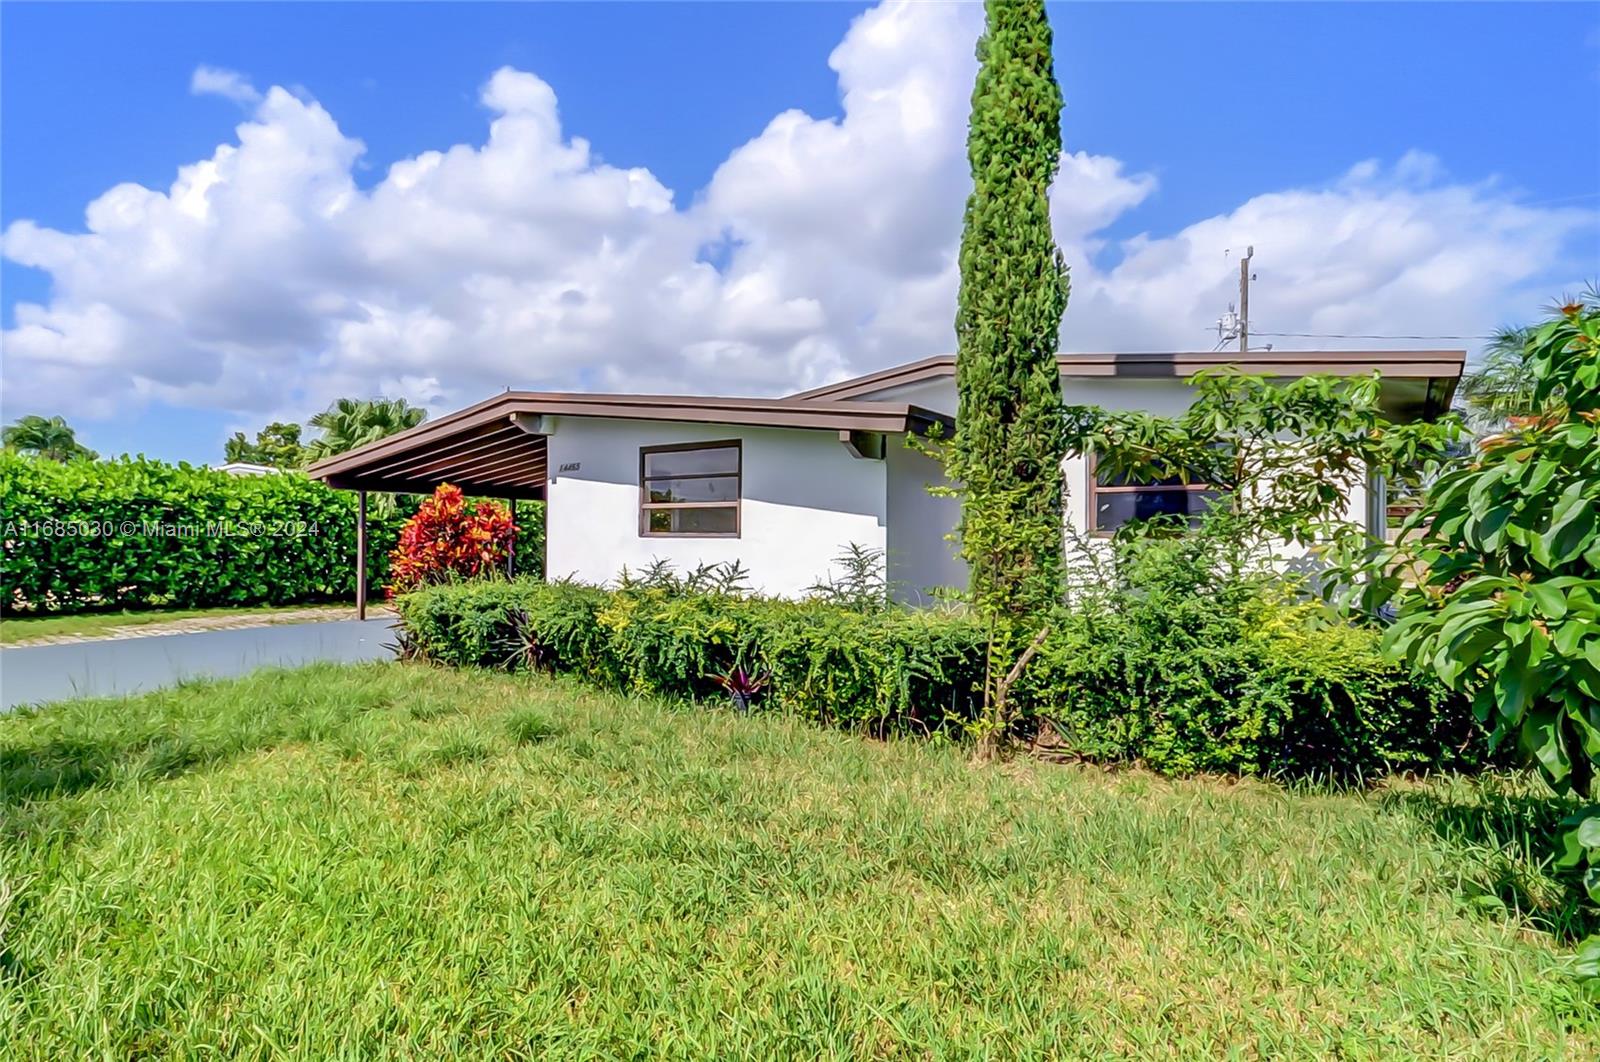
398	861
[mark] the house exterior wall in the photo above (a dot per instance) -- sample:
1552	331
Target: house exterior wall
804	499
920	555
1167	397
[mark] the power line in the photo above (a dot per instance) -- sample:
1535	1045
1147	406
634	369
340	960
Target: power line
1236	324
1340	335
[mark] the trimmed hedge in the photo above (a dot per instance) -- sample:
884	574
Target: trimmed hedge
92	535
1182	686
882	671
1266	693
137	533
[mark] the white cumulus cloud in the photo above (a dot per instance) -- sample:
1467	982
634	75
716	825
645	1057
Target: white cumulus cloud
265	281
218	81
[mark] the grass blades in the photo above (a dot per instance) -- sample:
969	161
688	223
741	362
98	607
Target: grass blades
393	861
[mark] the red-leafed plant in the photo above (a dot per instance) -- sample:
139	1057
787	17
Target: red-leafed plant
449	538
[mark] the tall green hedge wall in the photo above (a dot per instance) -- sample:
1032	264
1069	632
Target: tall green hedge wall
137	533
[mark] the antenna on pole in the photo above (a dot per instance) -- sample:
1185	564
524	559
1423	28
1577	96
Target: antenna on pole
1235	324
1244	299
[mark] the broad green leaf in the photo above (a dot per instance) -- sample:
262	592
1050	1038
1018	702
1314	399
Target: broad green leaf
1541	740
1549	598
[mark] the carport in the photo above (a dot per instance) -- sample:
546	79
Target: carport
499	449
493	449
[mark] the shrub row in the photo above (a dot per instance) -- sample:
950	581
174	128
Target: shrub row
1268	693
1183	687
138	533
882	671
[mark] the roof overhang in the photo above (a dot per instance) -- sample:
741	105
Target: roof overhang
1439	369
498	447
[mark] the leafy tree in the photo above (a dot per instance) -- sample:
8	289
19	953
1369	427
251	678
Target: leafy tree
277	445
1006	454
1189	629
1507	607
353	422
1496	580
51	438
1283	457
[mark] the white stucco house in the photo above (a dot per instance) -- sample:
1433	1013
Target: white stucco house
784	485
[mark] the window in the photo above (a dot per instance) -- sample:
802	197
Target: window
1114	502
691	490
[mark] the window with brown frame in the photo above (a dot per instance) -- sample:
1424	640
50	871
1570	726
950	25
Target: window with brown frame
1114	502
690	491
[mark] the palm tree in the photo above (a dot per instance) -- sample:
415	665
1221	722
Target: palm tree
353	422
52	438
1502	387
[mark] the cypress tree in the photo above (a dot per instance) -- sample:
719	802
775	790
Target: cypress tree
1007	450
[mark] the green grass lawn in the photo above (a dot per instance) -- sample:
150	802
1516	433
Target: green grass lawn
14	629
393	861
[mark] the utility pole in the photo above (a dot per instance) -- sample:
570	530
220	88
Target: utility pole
1244	299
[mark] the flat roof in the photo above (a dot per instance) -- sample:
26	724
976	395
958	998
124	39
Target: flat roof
483	449
1404	364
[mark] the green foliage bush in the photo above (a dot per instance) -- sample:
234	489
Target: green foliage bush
1171	680
884	671
134	533
1189	652
1182	686
1495	583
88	535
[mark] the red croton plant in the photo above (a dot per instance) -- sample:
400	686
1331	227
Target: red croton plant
447	538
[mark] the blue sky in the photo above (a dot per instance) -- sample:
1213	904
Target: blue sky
1210	106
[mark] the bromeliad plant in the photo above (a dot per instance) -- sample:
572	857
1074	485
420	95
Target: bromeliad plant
743	686
1496	581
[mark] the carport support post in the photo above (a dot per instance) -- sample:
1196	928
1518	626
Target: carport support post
511	550
361	554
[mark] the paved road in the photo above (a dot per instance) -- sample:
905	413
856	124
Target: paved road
30	674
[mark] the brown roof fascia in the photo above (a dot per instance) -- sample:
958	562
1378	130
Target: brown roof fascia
895	376
755	412
1405	364
1420	364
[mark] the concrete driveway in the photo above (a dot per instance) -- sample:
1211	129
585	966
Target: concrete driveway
30	674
